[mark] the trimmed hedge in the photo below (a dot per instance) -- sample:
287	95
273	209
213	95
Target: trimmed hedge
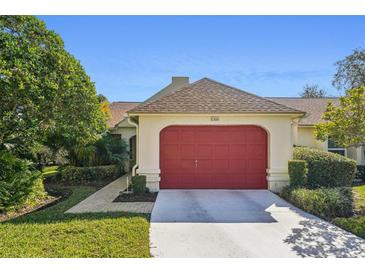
360	173
327	203
298	172
77	174
326	169
139	184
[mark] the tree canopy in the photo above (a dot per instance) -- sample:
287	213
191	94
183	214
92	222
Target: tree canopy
44	91
312	91
345	124
350	71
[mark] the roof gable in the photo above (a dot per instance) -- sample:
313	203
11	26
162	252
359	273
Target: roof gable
209	96
117	110
314	107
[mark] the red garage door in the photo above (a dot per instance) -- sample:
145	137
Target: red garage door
227	157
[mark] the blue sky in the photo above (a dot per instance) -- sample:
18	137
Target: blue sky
131	57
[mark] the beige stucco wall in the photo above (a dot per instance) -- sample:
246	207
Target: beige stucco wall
279	151
125	129
307	138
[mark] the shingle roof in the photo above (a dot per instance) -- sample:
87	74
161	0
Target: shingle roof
314	107
208	96
117	110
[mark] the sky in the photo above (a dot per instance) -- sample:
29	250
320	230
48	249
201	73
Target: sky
131	57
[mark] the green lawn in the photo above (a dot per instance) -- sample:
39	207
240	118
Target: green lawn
49	171
355	224
51	233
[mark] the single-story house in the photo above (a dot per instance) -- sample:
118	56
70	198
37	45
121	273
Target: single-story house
210	135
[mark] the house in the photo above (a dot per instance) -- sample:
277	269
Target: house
210	135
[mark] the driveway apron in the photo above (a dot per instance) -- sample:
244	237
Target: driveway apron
242	223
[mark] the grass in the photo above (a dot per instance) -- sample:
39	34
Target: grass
50	233
359	198
49	171
356	224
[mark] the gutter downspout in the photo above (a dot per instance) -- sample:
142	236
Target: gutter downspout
136	125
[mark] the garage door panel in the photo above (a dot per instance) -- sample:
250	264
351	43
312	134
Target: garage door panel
171	136
171	151
203	181
205	165
238	151
221	165
238	165
255	165
187	136
187	151
256	151
256	136
173	164
203	136
204	151
232	157
187	164
221	151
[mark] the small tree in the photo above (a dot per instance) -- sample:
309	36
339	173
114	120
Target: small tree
350	71
345	124
312	91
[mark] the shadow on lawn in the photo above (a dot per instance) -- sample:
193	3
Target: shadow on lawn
319	239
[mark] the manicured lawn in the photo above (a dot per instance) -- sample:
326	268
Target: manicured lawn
51	233
49	171
355	224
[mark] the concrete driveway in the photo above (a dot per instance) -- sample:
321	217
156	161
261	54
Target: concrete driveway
242	223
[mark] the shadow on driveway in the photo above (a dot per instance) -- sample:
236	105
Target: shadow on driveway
316	238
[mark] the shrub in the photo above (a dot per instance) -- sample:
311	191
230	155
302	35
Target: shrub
105	151
298	172
139	184
355	225
360	173
19	183
326	203
326	169
80	174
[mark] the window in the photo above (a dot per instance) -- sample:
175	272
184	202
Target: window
335	148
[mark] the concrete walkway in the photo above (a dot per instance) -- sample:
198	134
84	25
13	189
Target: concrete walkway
102	200
242	223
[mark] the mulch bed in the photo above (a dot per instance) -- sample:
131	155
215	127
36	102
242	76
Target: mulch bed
49	201
145	197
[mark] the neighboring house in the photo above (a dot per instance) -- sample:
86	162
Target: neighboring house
210	135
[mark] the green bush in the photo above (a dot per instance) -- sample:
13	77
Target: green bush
360	173
139	184
298	172
80	174
107	150
326	203
355	225
19	183
326	169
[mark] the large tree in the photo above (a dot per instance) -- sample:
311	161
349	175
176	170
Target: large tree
45	93
312	91
350	71
345	123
